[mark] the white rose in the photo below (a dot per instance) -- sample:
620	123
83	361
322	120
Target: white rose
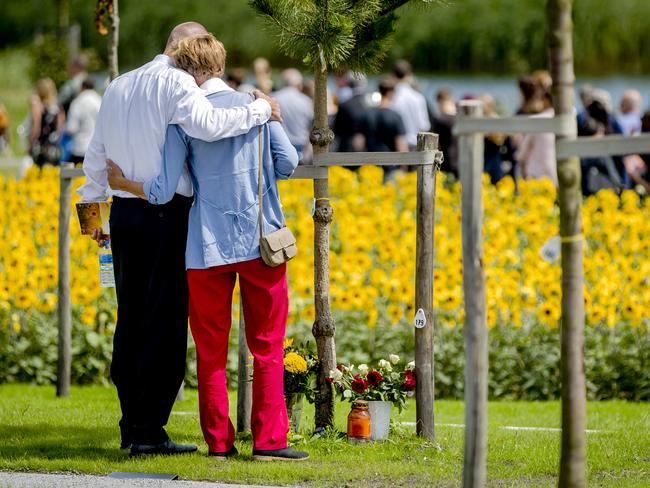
385	365
394	358
347	393
336	375
363	368
410	365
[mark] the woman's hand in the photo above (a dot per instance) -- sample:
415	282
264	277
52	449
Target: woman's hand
116	179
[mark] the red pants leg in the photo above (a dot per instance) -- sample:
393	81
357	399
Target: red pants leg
266	306
210	318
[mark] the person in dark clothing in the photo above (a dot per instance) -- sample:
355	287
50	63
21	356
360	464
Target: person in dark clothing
348	117
381	128
442	124
597	120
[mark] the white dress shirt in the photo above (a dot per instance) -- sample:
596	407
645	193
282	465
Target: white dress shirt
136	110
80	122
412	107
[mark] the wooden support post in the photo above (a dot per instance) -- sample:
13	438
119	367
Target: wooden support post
244	385
64	308
426	196
470	159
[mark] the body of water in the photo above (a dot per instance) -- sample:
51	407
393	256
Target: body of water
506	93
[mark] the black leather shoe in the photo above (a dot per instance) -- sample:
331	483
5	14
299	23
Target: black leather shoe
126	444
223	455
166	448
286	454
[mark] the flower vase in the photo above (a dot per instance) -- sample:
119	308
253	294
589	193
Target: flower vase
294	409
380	417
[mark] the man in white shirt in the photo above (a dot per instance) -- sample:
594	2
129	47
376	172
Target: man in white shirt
410	104
80	122
148	241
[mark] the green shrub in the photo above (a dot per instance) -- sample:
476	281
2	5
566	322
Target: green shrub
524	362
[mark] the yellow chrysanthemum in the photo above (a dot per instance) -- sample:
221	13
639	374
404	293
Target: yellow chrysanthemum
295	363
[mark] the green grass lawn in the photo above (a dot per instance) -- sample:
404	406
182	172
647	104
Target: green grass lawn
39	432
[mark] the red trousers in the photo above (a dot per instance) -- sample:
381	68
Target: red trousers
266	303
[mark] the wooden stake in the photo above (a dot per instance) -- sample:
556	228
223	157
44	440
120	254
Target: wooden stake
426	197
64	311
470	159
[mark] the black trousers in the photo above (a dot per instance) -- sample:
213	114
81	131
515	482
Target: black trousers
150	343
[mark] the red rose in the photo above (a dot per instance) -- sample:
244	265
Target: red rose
359	385
374	378
409	380
329	380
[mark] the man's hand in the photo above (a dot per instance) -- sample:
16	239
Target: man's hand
276	113
100	237
116	179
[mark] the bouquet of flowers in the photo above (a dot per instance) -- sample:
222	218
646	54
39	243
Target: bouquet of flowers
387	382
299	369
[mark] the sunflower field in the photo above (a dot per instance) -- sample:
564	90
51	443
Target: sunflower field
372	283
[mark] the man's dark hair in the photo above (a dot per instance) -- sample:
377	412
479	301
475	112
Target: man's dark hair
88	84
402	69
386	86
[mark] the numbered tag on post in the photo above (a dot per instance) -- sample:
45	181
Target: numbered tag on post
420	319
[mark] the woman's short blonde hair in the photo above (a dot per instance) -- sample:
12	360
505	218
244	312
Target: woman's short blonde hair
202	56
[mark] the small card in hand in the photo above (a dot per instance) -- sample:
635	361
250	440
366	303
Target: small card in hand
93	215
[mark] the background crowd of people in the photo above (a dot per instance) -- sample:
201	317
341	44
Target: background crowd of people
364	119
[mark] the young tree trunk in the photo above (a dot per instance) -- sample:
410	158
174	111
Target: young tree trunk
572	462
324	326
113	42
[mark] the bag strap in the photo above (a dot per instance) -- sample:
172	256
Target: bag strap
260	191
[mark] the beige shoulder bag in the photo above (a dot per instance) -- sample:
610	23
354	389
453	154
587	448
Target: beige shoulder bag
280	246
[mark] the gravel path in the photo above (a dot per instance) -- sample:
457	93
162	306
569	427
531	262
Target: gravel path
41	480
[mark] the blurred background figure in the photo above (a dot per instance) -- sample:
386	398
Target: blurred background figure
343	91
630	118
5	130
409	103
381	128
531	96
297	109
349	115
497	148
72	87
80	122
236	79
597	120
47	120
262	71
442	124
536	152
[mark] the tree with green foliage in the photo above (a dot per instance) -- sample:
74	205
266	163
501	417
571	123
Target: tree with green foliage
329	35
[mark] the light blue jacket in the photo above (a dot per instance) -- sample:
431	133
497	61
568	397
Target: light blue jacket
223	222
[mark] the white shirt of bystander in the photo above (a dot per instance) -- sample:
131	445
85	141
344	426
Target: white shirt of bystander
412	107
133	118
80	123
